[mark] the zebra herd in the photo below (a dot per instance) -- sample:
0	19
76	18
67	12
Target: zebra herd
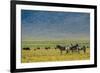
72	48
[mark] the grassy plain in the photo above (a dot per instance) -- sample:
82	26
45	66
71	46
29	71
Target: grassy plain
42	55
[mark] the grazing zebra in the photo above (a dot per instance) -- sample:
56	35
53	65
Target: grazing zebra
27	48
68	48
74	48
47	48
62	48
38	48
82	48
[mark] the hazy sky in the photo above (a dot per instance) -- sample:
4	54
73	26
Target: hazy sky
38	25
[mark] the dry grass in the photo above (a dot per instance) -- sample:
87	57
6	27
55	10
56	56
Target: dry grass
43	55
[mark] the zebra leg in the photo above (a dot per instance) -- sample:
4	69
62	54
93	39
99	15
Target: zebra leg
78	51
84	50
66	51
72	51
